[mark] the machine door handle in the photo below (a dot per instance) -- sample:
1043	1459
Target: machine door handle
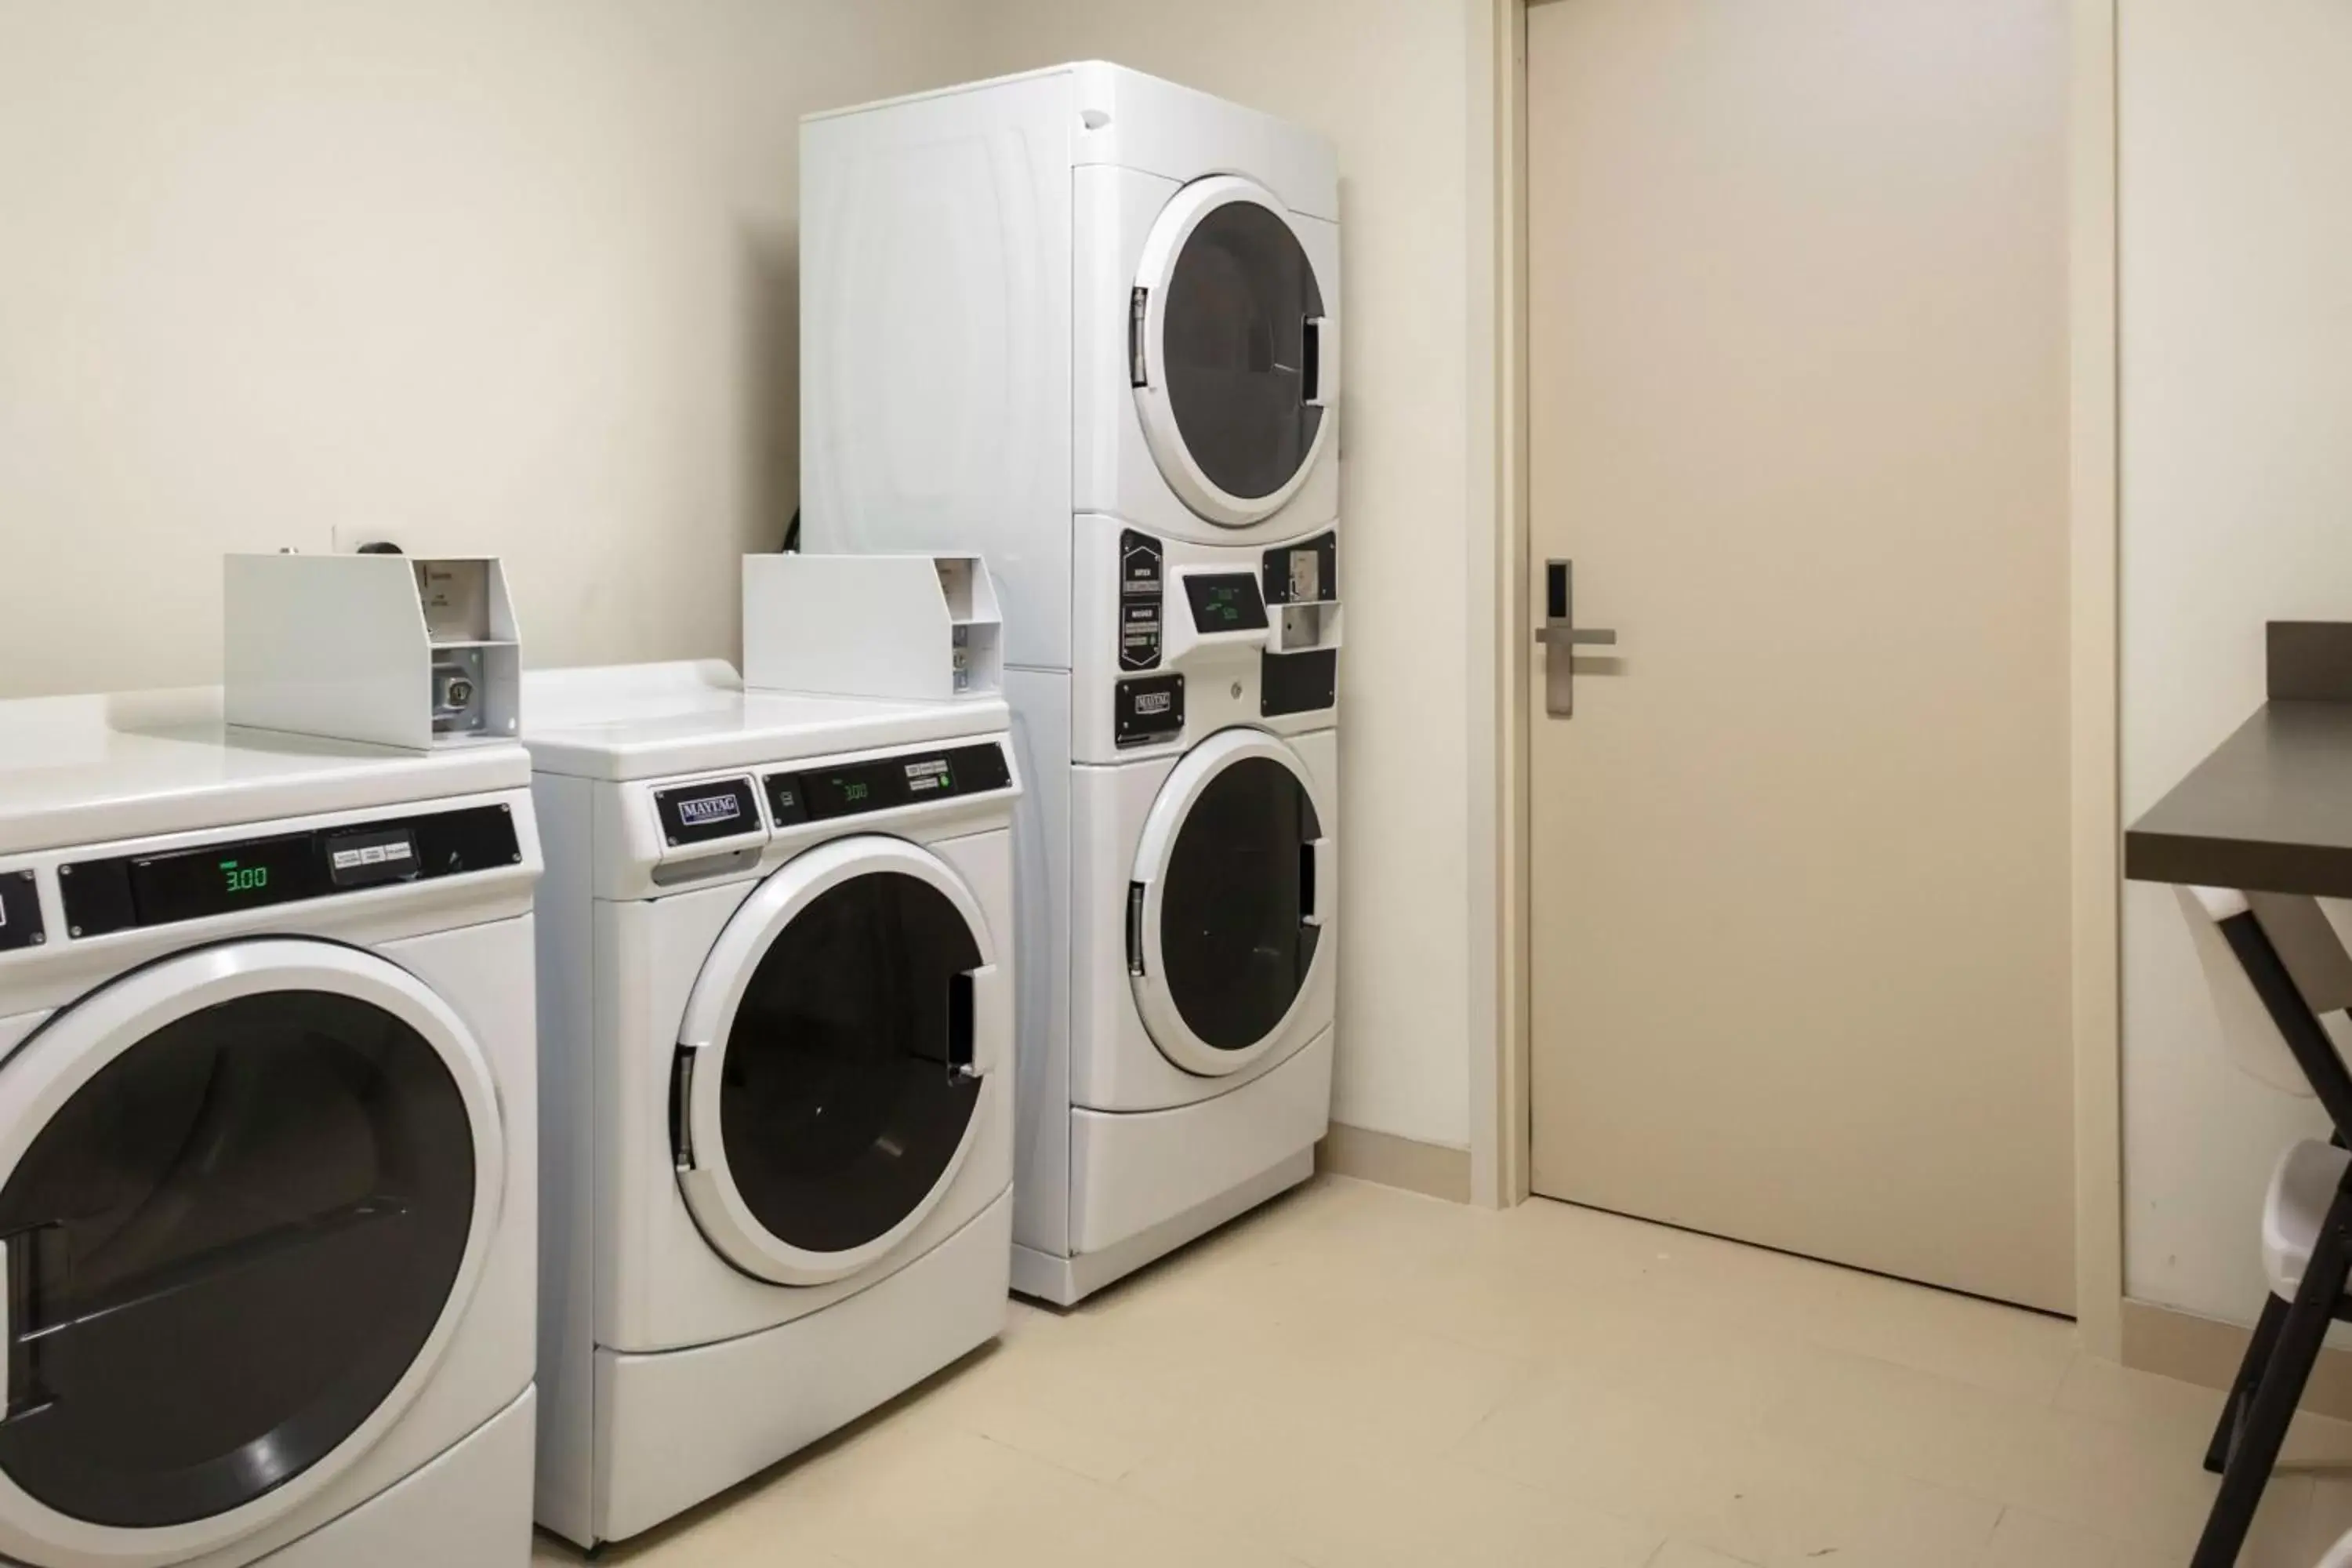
1561	636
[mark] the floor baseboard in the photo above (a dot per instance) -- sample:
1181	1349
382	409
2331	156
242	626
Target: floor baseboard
1432	1169
2203	1350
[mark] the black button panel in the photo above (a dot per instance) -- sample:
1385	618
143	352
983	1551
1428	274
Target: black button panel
125	891
369	856
1147	711
1143	575
820	795
700	812
20	911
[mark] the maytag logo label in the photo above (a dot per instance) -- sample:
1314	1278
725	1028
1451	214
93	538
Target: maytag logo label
1153	702
704	810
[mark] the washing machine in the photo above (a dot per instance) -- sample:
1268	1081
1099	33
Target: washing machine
1180	867
776	970
1082	291
268	1144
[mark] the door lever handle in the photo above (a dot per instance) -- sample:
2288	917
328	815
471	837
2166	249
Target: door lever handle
1576	637
1561	636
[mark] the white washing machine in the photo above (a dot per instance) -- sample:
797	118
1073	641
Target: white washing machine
1084	322
268	1144
775	965
1079	291
1180	870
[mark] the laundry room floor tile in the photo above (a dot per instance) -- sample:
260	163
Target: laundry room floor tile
1355	1377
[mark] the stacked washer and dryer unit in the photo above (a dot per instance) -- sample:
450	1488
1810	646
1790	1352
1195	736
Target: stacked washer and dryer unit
1086	322
268	1143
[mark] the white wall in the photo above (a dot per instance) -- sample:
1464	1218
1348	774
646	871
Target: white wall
2236	399
518	276
505	275
1386	81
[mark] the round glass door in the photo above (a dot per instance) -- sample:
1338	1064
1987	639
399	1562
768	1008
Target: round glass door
829	1111
1236	367
1230	908
230	1245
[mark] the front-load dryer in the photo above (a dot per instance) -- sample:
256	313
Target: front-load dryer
1083	291
268	1144
776	966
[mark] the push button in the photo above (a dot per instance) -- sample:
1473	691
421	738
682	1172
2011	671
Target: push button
787	805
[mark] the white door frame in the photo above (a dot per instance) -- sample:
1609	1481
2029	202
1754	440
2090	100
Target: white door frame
1501	598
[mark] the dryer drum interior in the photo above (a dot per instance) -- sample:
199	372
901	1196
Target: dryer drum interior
843	1099
224	1251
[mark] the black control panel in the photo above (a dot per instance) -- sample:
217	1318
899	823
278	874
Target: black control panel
1225	602
1147	711
820	795
1303	574
133	890
699	813
20	911
1143	575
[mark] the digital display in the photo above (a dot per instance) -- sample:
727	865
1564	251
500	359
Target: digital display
1225	602
211	881
898	781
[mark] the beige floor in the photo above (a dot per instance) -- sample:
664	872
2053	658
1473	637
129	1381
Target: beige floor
1362	1376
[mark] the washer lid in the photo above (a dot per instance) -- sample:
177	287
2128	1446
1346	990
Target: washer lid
1233	350
95	768
246	1196
830	1070
1227	914
654	720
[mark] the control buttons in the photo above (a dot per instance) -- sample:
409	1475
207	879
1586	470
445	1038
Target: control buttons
367	859
787	805
1140	579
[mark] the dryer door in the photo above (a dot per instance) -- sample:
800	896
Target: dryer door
830	1062
246	1194
1229	910
1233	350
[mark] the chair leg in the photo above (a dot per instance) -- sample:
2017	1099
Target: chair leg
2263	1431
2249	1378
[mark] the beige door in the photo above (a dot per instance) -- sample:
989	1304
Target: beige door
1797	284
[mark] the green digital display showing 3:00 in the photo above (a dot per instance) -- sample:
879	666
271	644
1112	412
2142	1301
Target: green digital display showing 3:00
239	878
